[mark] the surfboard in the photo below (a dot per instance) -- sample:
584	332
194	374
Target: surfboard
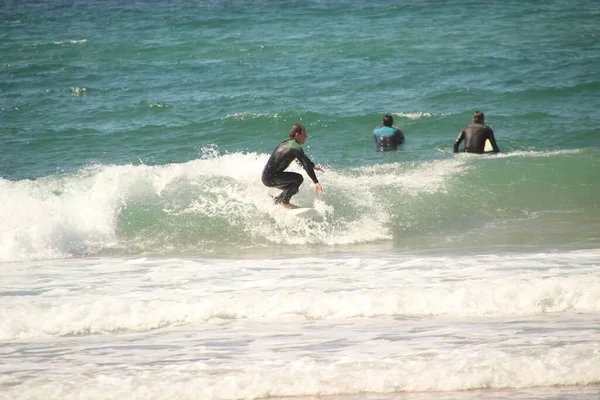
303	211
488	146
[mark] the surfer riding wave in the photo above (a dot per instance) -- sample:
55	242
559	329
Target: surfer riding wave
274	174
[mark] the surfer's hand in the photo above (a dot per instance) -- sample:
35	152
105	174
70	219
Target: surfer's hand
318	188
317	168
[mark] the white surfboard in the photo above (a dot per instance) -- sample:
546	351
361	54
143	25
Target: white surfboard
488	146
303	211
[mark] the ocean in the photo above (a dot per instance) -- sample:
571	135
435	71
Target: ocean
141	257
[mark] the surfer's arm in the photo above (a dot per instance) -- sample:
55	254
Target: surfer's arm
458	140
308	166
493	142
376	136
399	135
311	173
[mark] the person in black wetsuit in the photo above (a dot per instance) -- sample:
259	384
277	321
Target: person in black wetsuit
274	174
475	136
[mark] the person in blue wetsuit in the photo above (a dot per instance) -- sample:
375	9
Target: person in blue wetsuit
475	136
388	136
274	174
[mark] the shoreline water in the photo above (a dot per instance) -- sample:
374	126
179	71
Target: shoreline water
556	393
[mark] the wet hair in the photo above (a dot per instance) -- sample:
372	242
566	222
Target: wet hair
478	117
388	120
296	129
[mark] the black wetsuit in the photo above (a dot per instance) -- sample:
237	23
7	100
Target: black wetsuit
475	136
274	175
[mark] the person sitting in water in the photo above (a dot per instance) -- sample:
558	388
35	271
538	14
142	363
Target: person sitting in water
475	136
388	136
287	151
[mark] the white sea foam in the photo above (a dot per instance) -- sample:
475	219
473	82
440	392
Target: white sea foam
106	295
74	41
222	329
91	211
80	214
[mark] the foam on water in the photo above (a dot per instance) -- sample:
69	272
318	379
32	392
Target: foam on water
222	329
211	203
109	298
80	213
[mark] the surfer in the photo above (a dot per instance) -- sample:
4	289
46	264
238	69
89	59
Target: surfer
274	174
388	136
475	136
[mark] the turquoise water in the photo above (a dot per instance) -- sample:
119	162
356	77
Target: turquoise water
94	88
142	257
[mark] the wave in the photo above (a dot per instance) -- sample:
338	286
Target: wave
217	204
395	287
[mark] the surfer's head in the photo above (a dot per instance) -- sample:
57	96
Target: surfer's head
478	117
298	133
388	120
